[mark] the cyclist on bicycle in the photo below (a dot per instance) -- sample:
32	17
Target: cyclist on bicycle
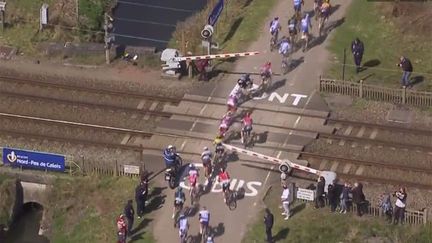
325	10
232	103
275	27
220	149
210	239
225	123
179	199
266	71
297	5
284	47
247	125
204	219
224	179
292	27
183	226
192	176
244	81
206	158
305	26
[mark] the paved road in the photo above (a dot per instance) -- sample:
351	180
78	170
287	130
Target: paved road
151	22
298	88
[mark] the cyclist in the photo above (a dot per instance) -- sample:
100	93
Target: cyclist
210	239
266	71
247	125
224	179
284	48
305	25
206	157
183	226
179	199
292	28
220	149
317	6
275	27
325	11
244	81
225	123
297	5
232	103
204	219
192	176
170	156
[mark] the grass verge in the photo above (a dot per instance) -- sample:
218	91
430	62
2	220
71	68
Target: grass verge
235	30
310	225
85	210
7	199
384	43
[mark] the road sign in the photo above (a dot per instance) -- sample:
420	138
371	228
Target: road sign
305	194
131	169
214	15
207	32
33	160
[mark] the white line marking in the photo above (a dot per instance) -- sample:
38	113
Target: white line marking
145	22
183	145
126	139
155	6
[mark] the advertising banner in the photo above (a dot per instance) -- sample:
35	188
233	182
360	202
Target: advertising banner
33	160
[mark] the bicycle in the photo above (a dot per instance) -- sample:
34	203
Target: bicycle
285	66
231	199
219	157
204	232
305	38
184	237
322	21
266	82
178	209
246	138
273	41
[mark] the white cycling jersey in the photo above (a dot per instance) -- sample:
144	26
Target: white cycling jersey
206	153
284	48
193	172
183	225
204	216
274	26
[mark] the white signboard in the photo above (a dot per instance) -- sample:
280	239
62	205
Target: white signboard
131	169
305	194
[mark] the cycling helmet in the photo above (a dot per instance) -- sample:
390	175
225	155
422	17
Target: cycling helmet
205	148
191	165
268	64
245	76
276	18
170	147
182	216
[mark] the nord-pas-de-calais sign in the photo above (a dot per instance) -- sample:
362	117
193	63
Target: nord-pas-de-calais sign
33	160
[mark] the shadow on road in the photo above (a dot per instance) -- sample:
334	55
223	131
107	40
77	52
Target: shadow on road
157	199
260	137
276	85
233	29
329	27
136	235
218	230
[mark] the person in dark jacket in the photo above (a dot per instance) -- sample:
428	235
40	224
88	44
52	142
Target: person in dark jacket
344	197
268	221
129	212
140	198
357	49
332	197
407	69
399	211
358	198
319	203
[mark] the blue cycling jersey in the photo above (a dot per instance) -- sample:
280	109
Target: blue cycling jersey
169	157
305	23
297	2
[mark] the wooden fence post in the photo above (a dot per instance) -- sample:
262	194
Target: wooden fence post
361	88
319	83
425	212
403	95
115	168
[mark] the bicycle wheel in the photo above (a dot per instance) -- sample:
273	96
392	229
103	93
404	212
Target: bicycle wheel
204	234
272	43
232	202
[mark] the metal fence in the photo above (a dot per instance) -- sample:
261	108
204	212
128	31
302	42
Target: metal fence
374	92
412	217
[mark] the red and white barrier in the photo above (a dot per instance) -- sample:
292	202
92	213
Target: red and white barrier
216	56
272	159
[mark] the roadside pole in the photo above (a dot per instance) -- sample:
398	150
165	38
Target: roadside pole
108	38
343	65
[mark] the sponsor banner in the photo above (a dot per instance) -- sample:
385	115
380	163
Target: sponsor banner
33	160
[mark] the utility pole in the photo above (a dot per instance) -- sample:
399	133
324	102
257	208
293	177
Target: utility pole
108	26
77	11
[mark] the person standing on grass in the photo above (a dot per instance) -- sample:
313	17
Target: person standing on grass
332	197
358	198
344	197
386	206
407	69
400	205
129	212
268	222
357	49
285	202
121	229
319	203
140	197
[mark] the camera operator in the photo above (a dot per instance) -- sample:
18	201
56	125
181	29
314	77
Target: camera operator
400	205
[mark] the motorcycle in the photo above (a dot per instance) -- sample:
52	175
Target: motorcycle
172	172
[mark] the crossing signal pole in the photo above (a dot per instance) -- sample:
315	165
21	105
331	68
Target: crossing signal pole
109	38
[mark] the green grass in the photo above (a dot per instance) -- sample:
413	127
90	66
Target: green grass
237	27
85	210
311	225
383	42
7	198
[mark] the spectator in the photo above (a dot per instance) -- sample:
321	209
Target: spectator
332	197
385	204
285	201
140	198
129	212
357	50
400	204
268	221
407	69
121	229
319	203
284	179
202	66
358	198
344	197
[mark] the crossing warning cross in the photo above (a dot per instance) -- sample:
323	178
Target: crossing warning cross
216	56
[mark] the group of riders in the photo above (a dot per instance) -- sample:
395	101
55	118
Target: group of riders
298	23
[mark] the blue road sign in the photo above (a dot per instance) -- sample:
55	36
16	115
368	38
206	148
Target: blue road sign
33	160
217	10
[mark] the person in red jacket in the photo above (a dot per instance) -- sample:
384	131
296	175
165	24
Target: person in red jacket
121	229
224	179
